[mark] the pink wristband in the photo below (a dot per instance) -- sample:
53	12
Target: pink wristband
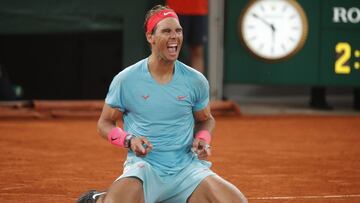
117	137
204	135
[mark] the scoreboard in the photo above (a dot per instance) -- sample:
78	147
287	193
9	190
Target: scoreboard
340	42
325	35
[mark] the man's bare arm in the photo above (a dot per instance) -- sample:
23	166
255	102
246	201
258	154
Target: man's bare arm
204	120
204	125
107	121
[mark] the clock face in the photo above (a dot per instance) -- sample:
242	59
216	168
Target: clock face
273	29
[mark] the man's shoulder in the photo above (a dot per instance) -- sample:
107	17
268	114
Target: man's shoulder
190	73
129	73
135	67
132	69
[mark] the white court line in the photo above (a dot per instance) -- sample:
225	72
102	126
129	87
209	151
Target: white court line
304	197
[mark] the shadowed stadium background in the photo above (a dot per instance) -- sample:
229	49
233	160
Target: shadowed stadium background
69	49
72	49
57	59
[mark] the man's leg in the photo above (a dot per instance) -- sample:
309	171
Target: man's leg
215	189
125	190
318	98
197	57
356	101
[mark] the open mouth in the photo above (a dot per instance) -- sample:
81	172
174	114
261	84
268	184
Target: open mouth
172	48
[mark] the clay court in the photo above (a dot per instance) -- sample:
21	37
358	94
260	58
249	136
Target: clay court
54	156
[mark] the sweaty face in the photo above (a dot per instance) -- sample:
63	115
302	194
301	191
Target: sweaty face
167	39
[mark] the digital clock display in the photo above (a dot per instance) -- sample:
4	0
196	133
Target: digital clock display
344	53
340	57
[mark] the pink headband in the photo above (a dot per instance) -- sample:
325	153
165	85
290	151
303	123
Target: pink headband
154	19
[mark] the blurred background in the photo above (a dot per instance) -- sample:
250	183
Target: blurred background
71	50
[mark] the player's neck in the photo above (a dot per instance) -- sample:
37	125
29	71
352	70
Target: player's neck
162	71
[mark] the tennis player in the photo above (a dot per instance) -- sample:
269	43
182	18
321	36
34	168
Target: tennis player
164	105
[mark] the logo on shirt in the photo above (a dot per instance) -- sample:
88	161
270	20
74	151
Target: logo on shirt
181	98
141	165
145	97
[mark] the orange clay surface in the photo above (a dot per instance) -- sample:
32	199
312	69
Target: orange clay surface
269	158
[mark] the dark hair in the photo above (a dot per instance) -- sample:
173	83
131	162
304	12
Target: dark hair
151	12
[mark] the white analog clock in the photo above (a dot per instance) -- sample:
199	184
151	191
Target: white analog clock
273	30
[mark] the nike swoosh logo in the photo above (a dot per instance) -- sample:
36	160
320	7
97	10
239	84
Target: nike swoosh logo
165	14
181	97
112	139
98	194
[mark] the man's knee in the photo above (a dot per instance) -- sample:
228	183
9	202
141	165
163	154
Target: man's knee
125	190
217	190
